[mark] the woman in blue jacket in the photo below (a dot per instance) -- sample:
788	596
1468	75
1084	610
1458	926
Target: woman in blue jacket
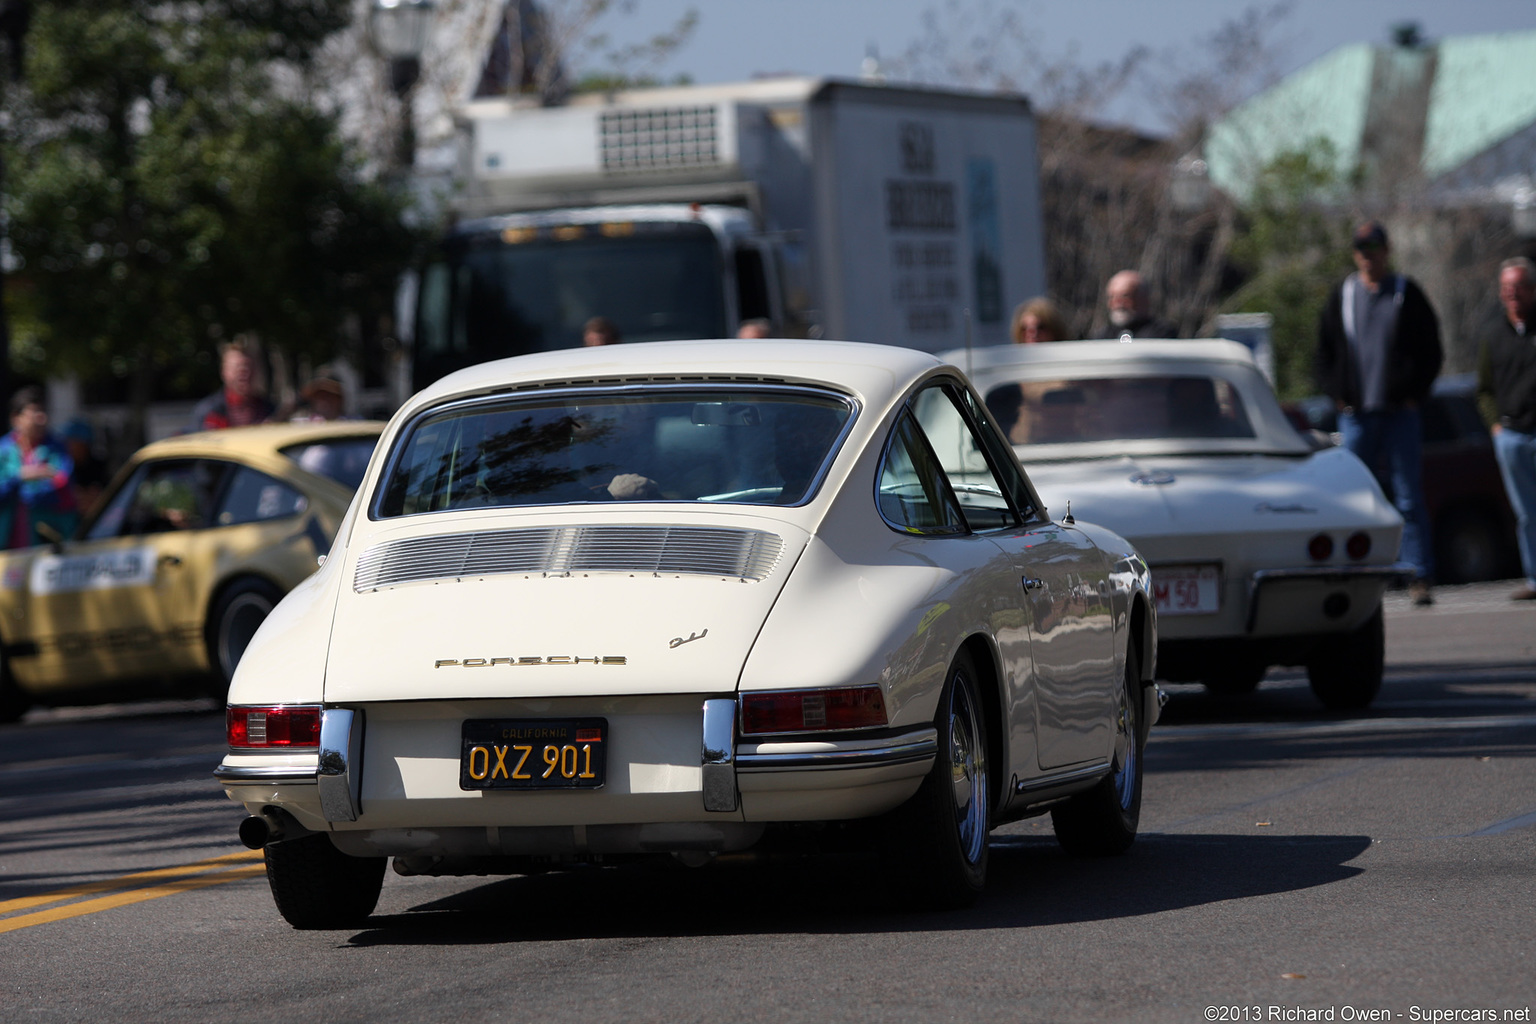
35	470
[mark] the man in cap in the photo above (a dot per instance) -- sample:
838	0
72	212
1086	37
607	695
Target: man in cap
1378	353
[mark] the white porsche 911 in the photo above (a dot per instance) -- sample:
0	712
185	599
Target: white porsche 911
667	598
1263	551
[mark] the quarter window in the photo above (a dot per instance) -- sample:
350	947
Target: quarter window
254	497
983	498
914	494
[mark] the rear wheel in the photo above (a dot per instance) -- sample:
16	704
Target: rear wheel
237	614
315	885
1103	821
1345	671
941	833
14	701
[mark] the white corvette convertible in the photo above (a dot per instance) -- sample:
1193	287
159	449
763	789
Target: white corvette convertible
671	598
1263	551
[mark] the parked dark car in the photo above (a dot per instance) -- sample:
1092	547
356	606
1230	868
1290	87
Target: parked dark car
1473	525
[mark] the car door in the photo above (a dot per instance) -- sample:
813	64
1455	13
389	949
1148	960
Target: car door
126	600
1063	584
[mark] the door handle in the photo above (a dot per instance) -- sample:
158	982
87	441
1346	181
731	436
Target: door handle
170	561
1031	583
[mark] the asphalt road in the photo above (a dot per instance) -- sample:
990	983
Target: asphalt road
1294	865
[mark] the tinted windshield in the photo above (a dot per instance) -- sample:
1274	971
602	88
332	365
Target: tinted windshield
1119	409
343	459
527	290
740	445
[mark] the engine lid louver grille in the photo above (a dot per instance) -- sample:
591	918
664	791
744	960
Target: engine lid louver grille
743	554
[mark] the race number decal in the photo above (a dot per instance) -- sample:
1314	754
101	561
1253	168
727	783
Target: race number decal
67	574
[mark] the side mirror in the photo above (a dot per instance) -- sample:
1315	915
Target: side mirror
54	538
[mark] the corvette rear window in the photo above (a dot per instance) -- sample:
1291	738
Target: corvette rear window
732	445
1119	409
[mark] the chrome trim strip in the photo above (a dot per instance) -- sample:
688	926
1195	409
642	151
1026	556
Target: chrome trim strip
1386	574
264	775
916	746
340	776
719	754
1062	778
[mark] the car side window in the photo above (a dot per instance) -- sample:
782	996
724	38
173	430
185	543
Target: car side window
1005	464
161	497
254	497
913	494
983	498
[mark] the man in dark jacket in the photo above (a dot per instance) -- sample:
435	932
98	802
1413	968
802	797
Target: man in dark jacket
1130	309
1506	386
1378	352
239	403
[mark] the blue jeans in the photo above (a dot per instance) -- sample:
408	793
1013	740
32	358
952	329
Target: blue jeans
1390	442
1517	463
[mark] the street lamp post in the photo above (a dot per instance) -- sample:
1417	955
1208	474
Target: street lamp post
399	30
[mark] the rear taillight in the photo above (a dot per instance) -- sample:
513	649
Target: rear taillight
1320	547
1358	545
296	725
849	707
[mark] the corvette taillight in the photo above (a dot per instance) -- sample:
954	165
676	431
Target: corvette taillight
293	725
1320	547
1358	545
849	707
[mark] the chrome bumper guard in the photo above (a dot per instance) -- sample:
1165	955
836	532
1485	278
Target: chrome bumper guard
1386	574
339	774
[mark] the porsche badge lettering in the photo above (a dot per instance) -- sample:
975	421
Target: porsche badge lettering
559	659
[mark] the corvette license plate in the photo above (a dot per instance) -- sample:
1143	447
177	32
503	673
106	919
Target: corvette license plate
533	753
1187	589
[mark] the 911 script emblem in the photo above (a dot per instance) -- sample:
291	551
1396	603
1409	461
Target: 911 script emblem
678	641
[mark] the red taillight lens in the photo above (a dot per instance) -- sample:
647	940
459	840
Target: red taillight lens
291	726
1358	545
851	707
1320	547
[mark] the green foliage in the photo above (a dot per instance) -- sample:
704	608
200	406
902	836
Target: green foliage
166	189
1293	249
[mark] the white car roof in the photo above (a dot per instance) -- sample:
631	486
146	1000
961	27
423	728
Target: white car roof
999	364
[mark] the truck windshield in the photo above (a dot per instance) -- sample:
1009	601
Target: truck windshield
731	445
498	294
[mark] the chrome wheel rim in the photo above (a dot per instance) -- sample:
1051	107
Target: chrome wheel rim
1127	759
967	770
242	618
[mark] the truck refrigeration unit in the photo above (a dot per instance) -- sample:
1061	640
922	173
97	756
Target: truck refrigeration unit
835	209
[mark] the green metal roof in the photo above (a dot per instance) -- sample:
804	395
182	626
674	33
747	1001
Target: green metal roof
1483	92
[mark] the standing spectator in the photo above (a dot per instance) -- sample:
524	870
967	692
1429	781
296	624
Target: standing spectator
1378	352
324	400
1506	386
240	402
35	470
1130	309
600	331
1037	320
90	474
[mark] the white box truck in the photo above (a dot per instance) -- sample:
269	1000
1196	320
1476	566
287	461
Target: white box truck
907	216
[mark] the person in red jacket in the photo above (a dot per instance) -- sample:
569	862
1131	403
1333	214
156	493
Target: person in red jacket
239	403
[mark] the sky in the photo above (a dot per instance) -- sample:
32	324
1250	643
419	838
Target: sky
737	39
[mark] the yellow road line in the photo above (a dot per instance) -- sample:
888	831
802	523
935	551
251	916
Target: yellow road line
124	882
131	896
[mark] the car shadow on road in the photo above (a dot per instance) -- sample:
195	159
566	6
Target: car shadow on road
1031	884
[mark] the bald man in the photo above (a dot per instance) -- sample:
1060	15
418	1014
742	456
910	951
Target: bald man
1130	309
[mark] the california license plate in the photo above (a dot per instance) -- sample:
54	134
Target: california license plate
533	753
1186	589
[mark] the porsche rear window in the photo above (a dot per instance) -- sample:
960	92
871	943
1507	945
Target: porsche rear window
1119	409
741	446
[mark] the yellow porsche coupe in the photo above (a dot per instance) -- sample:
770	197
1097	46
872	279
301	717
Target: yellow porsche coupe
189	548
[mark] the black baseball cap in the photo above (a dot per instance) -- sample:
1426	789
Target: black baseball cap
1370	235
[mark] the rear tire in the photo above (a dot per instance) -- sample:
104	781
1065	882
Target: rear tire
240	610
14	701
1345	671
941	833
1102	822
315	885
